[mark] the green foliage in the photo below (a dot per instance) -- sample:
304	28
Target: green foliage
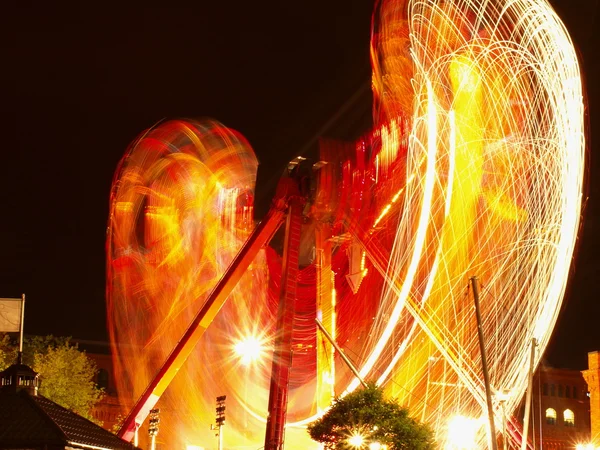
368	413
8	352
118	424
67	375
32	345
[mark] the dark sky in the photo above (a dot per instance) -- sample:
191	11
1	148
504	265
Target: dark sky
82	79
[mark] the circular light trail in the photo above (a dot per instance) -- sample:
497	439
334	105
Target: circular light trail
474	168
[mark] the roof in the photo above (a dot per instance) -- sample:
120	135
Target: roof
29	420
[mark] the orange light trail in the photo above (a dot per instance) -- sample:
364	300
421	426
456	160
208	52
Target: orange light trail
475	167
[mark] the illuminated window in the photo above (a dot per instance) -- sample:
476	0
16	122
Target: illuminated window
551	416
568	418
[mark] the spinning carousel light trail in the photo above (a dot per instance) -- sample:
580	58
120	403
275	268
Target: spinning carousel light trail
474	167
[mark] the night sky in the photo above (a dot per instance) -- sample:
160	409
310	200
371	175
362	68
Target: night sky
82	79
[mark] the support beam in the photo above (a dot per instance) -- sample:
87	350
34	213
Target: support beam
484	366
342	354
282	352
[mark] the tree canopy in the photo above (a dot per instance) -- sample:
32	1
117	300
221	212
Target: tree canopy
364	417
67	375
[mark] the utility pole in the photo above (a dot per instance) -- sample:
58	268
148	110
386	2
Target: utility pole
528	396
486	376
220	420
153	427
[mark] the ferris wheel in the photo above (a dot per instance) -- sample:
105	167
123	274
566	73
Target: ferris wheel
474	168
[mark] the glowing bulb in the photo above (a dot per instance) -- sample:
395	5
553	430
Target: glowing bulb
249	349
356	440
462	432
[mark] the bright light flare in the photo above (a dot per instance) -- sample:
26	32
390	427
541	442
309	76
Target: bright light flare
462	433
249	350
356	440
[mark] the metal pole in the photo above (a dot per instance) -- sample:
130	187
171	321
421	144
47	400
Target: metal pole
486	376
22	325
528	397
504	442
342	354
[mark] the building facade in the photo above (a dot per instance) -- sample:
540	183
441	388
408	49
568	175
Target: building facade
592	377
560	410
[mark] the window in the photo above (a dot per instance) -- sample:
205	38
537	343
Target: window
552	390
103	379
545	389
560	390
551	416
574	391
568	418
568	391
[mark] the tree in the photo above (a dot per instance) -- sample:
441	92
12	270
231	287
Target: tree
66	373
366	413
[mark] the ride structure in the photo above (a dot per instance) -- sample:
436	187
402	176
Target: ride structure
474	167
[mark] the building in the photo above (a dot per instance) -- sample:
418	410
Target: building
30	421
110	411
560	414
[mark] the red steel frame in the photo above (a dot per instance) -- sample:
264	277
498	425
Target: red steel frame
282	352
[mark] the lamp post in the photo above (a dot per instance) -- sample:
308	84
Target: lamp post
153	427
220	420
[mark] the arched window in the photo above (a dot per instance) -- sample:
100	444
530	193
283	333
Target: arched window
568	391
560	390
545	389
103	379
569	418
552	390
551	416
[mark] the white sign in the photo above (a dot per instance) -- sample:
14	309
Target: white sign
10	314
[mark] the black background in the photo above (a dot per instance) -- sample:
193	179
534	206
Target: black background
82	79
